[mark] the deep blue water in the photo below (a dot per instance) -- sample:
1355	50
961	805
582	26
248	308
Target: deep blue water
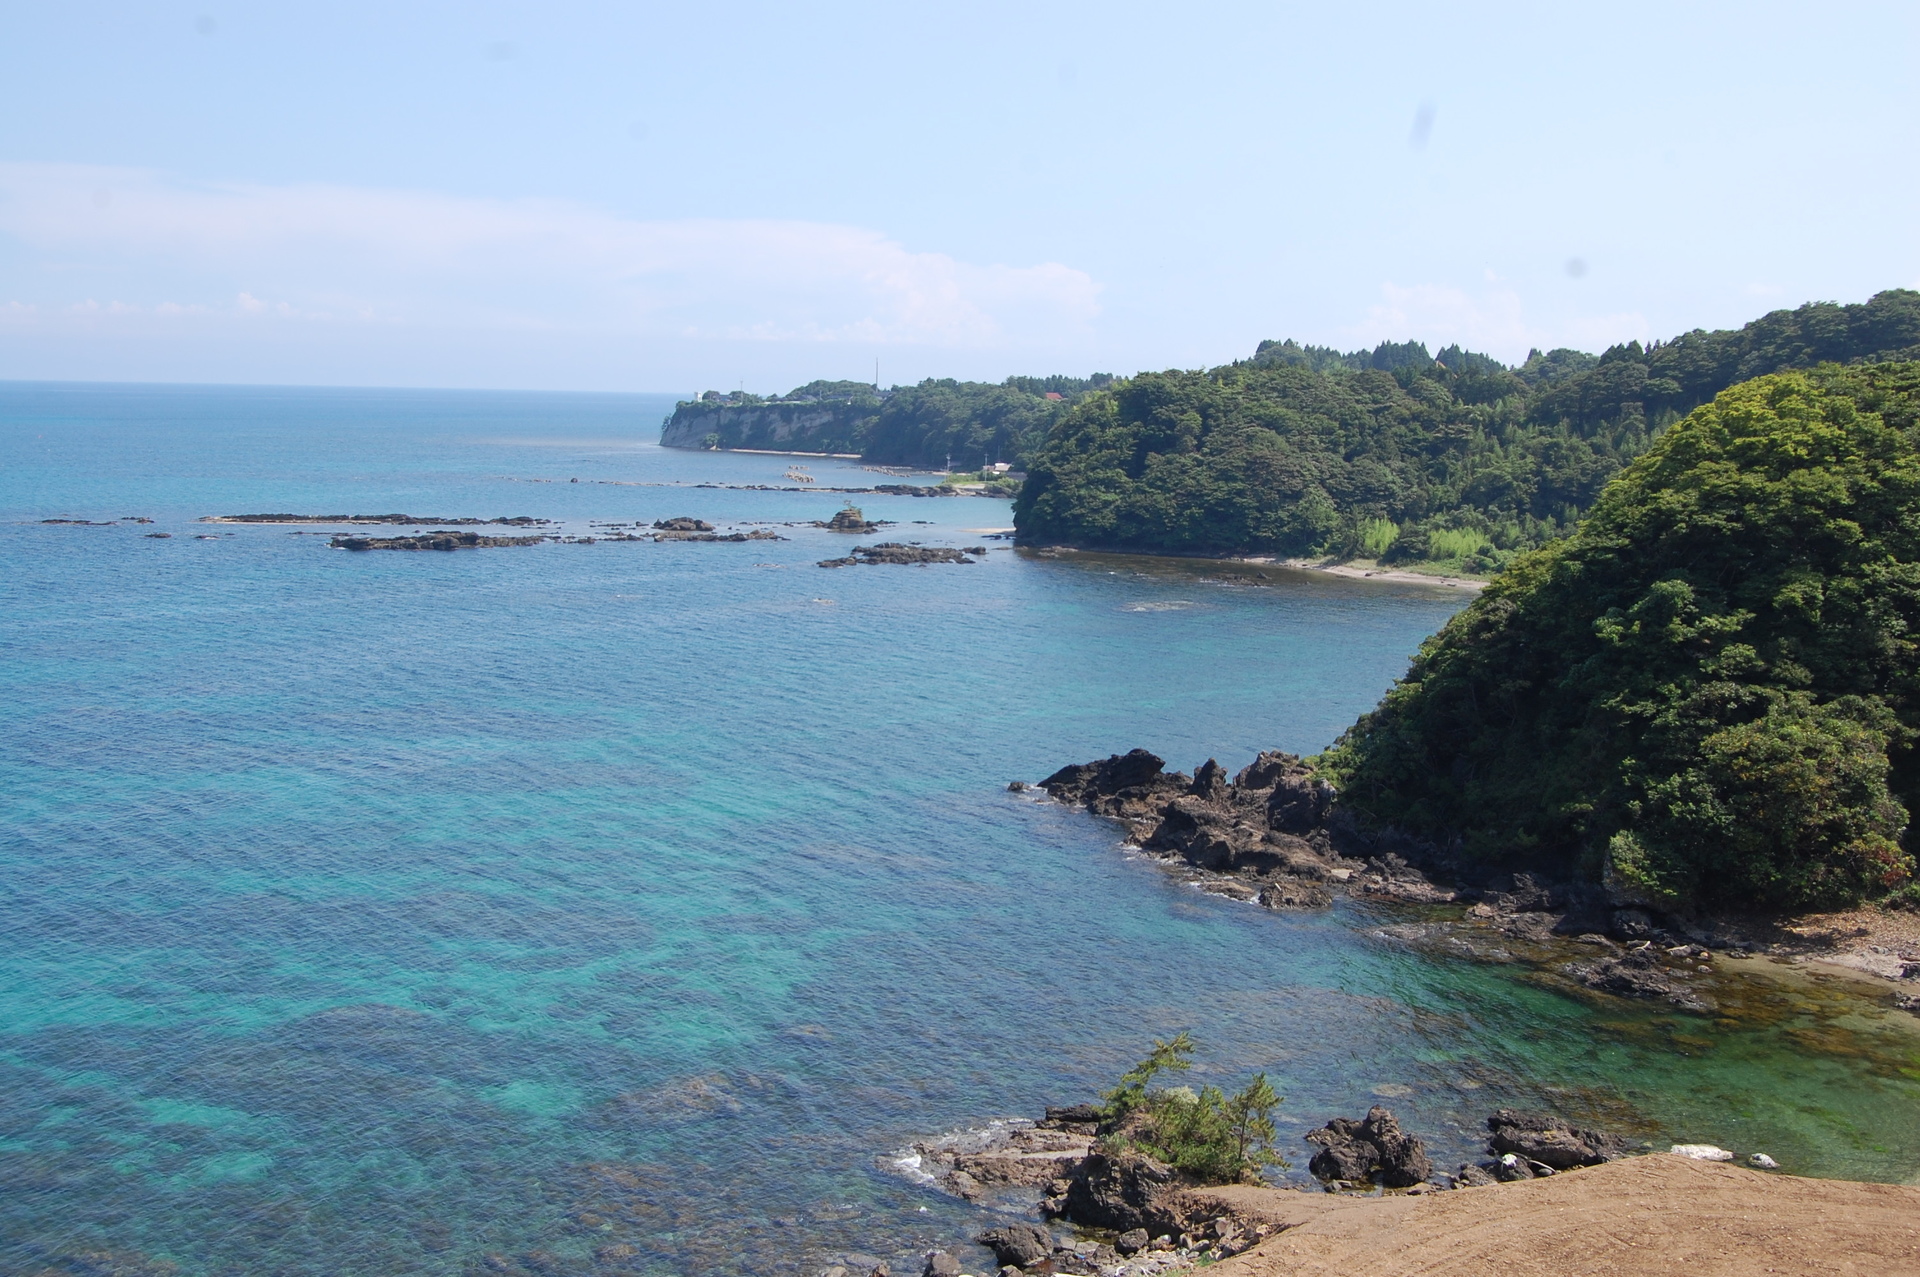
377	913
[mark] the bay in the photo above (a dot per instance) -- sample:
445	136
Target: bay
620	907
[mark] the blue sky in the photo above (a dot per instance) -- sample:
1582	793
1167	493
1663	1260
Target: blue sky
672	197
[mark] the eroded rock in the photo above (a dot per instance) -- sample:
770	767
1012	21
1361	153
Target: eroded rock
1373	1148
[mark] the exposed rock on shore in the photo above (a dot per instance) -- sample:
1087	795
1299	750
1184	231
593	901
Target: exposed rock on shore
1274	834
896	553
1268	834
1373	1149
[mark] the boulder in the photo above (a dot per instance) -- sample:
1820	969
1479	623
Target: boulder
1121	1189
1538	1137
1374	1148
940	1264
1703	1152
1132	1242
1018	1244
1511	1167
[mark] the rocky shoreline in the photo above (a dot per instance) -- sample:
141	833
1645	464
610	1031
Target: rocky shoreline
1274	834
1132	1216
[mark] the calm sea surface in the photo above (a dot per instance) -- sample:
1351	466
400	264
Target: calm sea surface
380	913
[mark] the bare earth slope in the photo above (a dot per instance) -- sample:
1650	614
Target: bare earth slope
1649	1216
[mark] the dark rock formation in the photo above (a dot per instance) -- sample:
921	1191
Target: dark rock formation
1018	1244
849	520
1373	1148
1265	835
682	523
1120	1189
758	534
1537	1137
940	1264
1079	1119
895	553
1082	783
430	541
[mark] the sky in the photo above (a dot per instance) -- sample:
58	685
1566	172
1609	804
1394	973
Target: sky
675	197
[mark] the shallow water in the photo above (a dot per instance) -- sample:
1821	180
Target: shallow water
376	913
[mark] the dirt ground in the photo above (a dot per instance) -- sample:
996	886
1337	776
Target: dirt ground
1640	1217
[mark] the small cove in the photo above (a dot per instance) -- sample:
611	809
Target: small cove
377	913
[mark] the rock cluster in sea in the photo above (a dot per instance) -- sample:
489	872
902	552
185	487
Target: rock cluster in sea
893	552
431	541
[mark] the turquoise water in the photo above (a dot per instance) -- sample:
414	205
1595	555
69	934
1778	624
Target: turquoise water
380	913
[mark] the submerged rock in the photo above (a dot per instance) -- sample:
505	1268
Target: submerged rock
1639	973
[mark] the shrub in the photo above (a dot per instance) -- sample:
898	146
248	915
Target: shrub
1215	1137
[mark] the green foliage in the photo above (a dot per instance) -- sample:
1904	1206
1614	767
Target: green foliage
1456	543
1298	449
1711	691
1215	1137
1376	536
966	424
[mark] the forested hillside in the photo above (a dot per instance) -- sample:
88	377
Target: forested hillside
1392	453
967	424
1710	693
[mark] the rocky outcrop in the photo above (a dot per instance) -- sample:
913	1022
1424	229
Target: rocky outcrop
1542	1138
1371	1150
1536	1145
682	523
431	541
1269	834
1120	1189
893	552
851	519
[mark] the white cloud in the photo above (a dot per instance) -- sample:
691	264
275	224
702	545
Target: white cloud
346	255
1493	321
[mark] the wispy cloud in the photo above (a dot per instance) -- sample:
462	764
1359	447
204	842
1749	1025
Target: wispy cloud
165	250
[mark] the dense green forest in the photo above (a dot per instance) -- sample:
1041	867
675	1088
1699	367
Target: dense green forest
1397	454
965	424
1710	692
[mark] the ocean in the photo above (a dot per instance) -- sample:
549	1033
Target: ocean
621	907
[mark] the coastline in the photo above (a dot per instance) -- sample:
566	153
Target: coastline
1391	575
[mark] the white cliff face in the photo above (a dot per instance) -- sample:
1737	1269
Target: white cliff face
804	427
